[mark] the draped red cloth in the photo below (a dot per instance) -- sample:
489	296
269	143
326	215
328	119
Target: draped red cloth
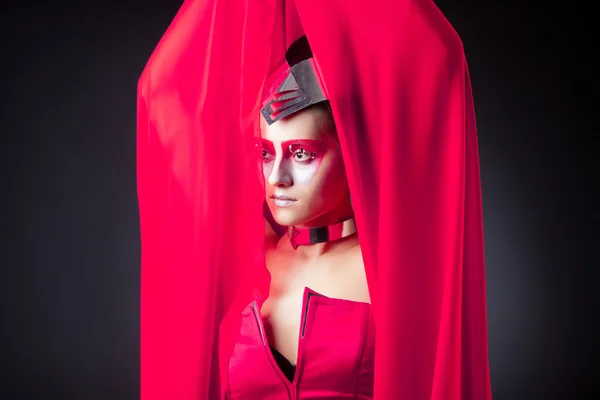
400	94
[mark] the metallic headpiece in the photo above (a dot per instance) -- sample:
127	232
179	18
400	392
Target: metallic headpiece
296	86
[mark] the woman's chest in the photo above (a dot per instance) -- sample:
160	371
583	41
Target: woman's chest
284	309
340	276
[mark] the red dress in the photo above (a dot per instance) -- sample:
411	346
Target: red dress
336	351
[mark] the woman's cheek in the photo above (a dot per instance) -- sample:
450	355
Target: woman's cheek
267	169
303	174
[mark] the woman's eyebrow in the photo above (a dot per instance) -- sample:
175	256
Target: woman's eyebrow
268	145
307	144
302	142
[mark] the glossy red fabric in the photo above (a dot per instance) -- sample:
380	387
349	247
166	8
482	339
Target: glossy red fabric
336	354
400	94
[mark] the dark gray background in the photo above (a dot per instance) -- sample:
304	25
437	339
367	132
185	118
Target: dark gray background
69	228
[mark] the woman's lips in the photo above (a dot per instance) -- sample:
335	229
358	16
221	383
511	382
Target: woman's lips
282	201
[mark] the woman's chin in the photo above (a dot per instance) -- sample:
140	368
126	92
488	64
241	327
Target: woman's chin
283	221
285	217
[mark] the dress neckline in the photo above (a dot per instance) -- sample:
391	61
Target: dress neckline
290	377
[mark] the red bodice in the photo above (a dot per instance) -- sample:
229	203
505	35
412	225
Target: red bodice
336	351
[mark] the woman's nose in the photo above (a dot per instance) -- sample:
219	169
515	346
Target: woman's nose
280	175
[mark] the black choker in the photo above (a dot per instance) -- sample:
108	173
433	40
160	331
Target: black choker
306	236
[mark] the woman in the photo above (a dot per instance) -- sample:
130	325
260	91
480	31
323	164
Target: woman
216	294
316	318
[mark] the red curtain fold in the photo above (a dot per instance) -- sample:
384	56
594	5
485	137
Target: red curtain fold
400	94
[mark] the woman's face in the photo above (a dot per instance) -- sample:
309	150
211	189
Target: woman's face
305	179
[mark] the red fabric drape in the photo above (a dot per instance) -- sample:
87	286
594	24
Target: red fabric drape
400	94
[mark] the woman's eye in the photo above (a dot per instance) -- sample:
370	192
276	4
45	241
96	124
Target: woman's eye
303	155
266	156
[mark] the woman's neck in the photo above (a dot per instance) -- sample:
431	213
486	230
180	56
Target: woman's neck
339	213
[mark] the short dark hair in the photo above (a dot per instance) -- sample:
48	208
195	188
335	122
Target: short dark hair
325	121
